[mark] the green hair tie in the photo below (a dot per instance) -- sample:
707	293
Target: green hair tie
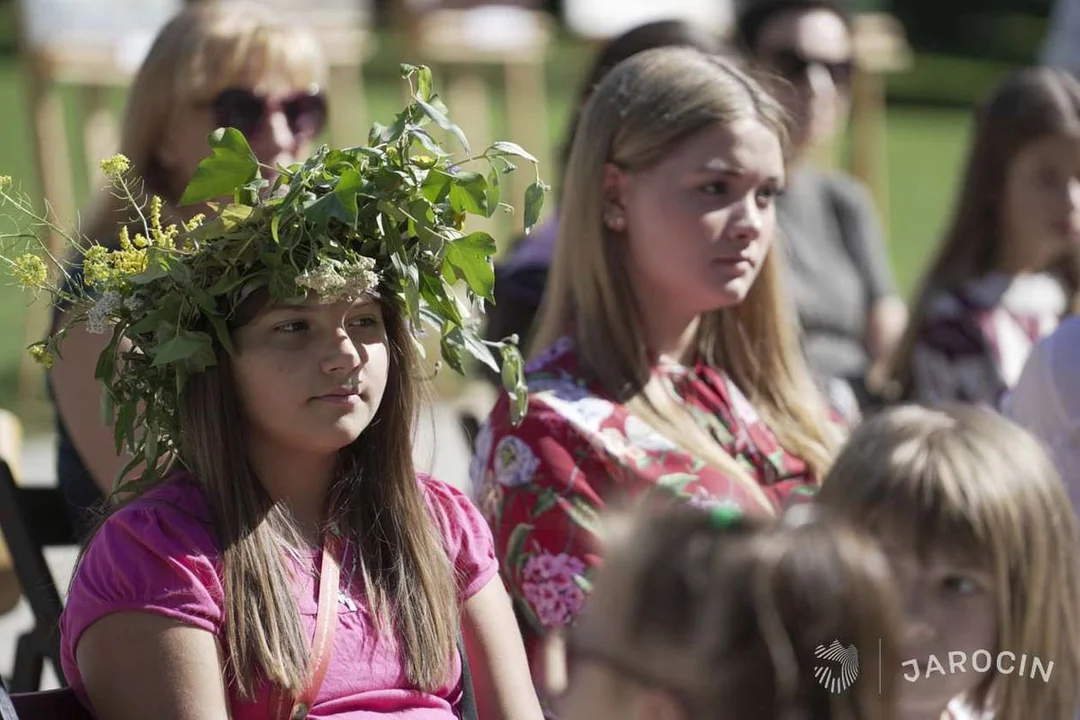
724	517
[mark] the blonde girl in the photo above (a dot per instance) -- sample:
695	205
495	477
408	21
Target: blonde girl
1008	267
697	616
216	64
666	359
981	536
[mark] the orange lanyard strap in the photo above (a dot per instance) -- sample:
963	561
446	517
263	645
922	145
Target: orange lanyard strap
282	707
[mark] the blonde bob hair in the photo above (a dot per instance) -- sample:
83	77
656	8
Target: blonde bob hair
637	115
206	48
965	480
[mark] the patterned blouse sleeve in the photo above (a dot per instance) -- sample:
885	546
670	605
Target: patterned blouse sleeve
535	491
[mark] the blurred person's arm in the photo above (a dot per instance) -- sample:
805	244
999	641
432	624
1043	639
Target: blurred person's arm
77	394
864	238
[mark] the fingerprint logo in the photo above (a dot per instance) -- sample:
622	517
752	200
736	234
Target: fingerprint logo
839	666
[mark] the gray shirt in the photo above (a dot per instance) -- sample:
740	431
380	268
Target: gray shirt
837	265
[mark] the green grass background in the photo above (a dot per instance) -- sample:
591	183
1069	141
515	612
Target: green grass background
924	148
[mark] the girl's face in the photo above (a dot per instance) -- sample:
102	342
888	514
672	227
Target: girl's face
950	608
311	377
698	225
1041	217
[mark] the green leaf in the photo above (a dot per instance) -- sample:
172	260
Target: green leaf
534	204
508	148
494	190
231	165
423	83
513	379
223	335
436	185
108	408
125	425
346	190
182	347
469	193
516	543
547	500
471	257
444	122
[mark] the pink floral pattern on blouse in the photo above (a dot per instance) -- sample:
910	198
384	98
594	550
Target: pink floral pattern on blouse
543	484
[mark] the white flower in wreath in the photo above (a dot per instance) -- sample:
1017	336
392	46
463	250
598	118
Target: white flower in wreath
640	434
588	413
515	464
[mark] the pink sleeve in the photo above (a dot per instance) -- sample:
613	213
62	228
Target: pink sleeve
153	556
466	536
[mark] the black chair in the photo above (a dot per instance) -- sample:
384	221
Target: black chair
61	704
33	518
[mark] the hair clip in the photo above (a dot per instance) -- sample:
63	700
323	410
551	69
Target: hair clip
724	517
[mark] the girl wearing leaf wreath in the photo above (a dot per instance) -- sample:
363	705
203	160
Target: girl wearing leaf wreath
667	361
216	64
280	556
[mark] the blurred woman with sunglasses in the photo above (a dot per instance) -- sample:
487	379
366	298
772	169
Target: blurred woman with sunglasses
221	64
850	312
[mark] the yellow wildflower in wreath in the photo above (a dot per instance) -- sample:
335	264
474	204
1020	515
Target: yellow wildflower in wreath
386	219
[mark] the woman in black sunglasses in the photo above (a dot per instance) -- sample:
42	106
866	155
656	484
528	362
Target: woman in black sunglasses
214	64
843	284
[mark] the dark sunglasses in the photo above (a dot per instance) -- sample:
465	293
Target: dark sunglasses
793	66
242	109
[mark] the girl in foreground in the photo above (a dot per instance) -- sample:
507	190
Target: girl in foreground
281	556
698	615
983	543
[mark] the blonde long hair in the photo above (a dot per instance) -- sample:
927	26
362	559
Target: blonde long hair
643	109
1028	105
967	479
204	49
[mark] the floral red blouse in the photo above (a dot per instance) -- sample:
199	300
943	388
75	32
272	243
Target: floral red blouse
542	484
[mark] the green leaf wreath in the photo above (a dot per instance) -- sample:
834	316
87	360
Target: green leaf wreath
390	214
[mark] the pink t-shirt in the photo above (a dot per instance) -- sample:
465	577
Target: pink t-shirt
158	555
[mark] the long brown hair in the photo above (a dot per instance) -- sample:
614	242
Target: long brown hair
375	499
964	478
589	291
1028	105
733	616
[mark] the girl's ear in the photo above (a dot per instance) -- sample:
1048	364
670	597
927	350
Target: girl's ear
614	197
652	704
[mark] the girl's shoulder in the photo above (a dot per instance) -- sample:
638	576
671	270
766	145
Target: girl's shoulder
465	534
171	518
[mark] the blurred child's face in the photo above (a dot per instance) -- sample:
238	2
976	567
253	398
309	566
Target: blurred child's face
311	376
1041	216
950	612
